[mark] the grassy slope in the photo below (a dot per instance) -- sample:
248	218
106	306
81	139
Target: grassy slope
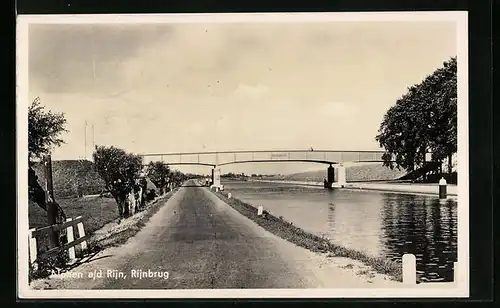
96	211
369	172
73	178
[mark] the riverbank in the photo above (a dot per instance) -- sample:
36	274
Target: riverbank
393	187
413	188
286	230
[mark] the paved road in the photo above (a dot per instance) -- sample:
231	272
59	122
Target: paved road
205	244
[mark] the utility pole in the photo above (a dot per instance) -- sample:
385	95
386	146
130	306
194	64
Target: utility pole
85	140
93	135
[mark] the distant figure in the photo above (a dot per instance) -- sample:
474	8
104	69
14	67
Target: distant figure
311	149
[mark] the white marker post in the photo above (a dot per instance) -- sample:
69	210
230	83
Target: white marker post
442	188
33	248
260	210
409	269
71	238
229	195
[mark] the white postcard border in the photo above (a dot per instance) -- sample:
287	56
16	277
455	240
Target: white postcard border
460	289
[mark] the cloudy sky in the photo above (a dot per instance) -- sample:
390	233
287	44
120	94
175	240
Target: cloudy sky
241	86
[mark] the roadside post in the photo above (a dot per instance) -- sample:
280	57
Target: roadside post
409	269
442	188
260	210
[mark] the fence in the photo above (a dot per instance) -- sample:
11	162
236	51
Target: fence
35	233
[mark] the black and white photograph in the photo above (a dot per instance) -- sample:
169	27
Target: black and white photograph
245	155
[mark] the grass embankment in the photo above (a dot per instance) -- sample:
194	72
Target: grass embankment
358	173
72	178
115	234
293	234
97	212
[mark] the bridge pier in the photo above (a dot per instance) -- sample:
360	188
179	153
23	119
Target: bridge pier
336	176
340	176
216	177
330	176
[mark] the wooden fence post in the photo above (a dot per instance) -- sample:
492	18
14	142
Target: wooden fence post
81	233
49	200
33	249
71	238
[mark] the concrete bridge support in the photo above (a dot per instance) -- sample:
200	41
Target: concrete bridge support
330	175
340	176
336	176
216	177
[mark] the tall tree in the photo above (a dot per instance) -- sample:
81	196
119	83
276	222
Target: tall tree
423	120
444	130
120	172
44	131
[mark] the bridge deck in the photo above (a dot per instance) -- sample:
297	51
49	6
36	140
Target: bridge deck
235	157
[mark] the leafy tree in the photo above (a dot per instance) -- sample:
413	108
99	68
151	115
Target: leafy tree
120	172
44	130
177	177
443	126
423	120
159	174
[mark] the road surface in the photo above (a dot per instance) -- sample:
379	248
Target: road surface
203	243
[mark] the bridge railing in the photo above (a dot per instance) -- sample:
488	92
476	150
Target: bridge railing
229	157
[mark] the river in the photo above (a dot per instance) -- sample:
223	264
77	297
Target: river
377	223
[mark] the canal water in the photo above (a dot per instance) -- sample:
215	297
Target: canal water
377	223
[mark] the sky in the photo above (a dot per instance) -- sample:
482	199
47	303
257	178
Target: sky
181	87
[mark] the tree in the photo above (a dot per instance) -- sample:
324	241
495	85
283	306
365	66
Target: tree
159	174
177	177
120	172
423	120
443	141
44	130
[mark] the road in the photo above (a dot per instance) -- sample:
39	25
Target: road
203	243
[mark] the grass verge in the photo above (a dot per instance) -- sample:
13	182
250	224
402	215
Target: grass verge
97	212
115	234
293	234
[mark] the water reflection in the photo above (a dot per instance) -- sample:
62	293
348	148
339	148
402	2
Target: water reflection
380	224
424	227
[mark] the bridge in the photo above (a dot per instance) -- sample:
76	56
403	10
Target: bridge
333	158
